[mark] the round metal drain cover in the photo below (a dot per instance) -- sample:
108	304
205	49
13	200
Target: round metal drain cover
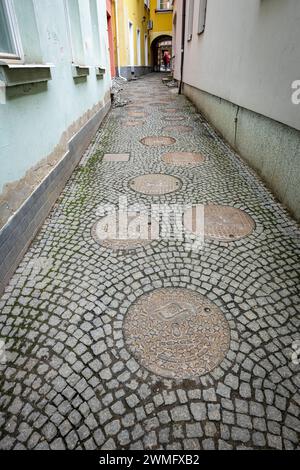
181	129
157	141
155	184
133	123
183	158
107	232
222	223
176	333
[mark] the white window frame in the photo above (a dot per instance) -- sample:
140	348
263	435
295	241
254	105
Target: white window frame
202	16
70	36
14	31
131	43
138	47
96	37
191	19
146	42
161	8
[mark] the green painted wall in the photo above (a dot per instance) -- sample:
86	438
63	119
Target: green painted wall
34	118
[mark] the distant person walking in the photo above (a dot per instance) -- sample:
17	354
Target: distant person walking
167	60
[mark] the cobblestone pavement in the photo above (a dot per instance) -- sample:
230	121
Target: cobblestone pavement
69	379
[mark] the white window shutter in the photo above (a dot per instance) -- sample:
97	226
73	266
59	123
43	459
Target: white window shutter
202	16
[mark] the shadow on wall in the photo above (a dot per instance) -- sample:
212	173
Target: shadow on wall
267	5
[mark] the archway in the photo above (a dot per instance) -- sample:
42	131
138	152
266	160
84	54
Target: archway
159	46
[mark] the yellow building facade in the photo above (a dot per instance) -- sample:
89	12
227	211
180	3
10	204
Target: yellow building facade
139	26
161	15
161	19
131	37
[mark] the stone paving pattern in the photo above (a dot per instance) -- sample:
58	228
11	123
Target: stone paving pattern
69	381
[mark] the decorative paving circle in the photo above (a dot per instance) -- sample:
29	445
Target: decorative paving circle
222	223
183	158
106	232
155	184
181	129
157	141
176	333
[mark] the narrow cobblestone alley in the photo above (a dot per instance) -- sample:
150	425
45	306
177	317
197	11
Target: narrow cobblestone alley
83	323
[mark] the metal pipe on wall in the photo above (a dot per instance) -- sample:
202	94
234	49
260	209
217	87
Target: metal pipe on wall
182	45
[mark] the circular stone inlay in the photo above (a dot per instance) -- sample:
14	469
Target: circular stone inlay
180	128
221	223
157	141
155	184
176	333
110	224
183	158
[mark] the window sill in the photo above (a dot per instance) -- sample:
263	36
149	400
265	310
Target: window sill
79	71
13	74
169	10
100	71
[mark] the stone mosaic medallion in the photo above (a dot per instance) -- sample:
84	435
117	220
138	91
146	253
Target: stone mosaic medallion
157	141
181	129
110	227
155	184
221	223
183	158
176	333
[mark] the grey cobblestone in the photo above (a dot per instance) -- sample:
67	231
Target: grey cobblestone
70	381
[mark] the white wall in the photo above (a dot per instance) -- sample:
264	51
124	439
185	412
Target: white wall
249	54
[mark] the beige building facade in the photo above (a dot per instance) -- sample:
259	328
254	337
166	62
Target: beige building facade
240	66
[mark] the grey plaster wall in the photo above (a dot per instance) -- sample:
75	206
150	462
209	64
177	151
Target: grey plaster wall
271	148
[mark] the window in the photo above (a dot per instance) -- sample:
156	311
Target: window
138	46
202	16
75	33
131	45
164	5
10	46
190	19
95	32
146	50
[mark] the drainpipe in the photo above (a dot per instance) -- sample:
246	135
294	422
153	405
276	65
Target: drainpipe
117	34
182	45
